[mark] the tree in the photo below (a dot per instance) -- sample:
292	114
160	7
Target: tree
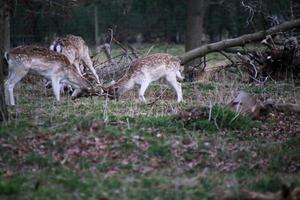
97	37
195	20
6	23
41	19
3	43
194	30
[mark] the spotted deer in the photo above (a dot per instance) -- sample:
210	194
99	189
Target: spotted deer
145	70
50	64
76	50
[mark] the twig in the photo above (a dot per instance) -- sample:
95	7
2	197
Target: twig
251	12
133	50
204	64
254	67
153	102
228	57
111	35
120	55
150	49
210	111
120	45
247	60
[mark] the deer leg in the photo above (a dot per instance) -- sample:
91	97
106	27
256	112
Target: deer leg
77	66
14	77
56	88
65	87
179	76
88	62
76	93
142	91
171	80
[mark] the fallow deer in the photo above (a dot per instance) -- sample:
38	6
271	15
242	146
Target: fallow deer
50	64
76	50
144	71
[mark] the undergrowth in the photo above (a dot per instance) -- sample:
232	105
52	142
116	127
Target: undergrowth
97	149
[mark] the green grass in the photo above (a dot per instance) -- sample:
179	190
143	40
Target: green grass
10	187
221	119
147	154
34	159
87	149
159	149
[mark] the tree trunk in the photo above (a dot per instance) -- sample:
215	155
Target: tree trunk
194	32
195	19
6	25
97	38
6	29
242	40
3	108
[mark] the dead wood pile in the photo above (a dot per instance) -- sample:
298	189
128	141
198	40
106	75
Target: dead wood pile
277	57
279	60
114	66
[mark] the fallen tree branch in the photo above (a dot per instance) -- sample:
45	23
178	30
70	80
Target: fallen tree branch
248	61
284	107
285	194
234	50
228	57
242	40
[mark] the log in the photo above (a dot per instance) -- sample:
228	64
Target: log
239	41
285	194
283	107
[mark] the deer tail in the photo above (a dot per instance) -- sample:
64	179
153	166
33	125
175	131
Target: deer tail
57	45
6	56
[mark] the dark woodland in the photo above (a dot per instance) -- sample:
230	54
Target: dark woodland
160	99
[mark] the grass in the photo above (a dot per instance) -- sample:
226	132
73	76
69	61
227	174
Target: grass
10	187
90	149
221	118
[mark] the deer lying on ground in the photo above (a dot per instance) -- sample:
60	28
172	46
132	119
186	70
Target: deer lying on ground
50	64
144	71
76	50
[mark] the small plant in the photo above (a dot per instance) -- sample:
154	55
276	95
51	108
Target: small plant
218	118
10	187
225	118
269	183
35	159
159	149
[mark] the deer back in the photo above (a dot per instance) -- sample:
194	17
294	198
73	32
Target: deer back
48	63
71	46
37	58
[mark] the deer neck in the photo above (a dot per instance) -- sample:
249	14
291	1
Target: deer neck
114	89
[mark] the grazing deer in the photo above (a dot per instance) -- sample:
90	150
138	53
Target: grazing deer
50	64
144	71
76	50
